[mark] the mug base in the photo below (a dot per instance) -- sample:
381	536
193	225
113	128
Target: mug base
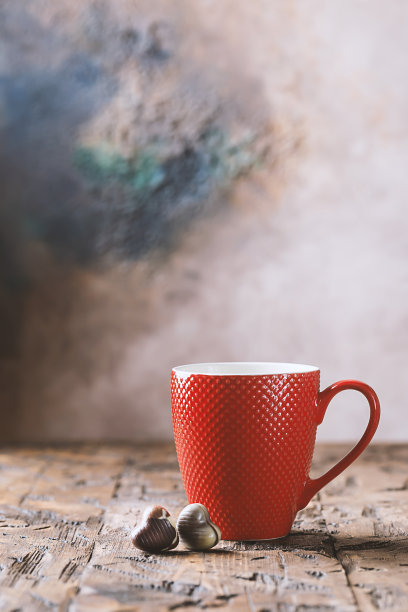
257	539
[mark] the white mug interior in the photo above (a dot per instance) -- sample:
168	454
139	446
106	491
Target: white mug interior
243	368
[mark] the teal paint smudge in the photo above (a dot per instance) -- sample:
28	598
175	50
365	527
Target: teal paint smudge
221	162
227	159
145	200
147	173
98	164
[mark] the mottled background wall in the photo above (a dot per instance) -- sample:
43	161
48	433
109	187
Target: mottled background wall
199	181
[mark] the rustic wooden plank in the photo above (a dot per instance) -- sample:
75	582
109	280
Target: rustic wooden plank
366	511
66	515
47	539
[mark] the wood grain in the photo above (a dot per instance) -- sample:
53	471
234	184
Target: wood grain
66	514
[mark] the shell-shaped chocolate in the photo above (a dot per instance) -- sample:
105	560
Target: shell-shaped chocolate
196	528
156	532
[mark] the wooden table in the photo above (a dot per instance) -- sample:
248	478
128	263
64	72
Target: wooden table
66	514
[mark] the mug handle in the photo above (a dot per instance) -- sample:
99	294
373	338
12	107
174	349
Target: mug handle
313	485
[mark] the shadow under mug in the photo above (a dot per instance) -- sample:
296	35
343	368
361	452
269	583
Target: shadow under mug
245	435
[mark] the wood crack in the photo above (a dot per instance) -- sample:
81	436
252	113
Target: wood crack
29	564
344	566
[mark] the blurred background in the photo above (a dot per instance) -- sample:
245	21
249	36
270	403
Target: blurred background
199	181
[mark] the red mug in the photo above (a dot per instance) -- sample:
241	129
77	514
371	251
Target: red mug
245	434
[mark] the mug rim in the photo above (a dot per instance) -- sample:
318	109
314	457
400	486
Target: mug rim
242	368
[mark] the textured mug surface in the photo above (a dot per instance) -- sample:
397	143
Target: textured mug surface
245	434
